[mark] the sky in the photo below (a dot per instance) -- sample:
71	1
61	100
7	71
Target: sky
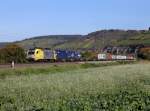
20	19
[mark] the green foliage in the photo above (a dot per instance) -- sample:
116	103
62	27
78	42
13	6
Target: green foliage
52	69
89	55
12	53
112	88
121	101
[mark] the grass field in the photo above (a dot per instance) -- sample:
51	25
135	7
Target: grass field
86	87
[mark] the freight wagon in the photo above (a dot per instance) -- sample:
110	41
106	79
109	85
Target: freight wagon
106	56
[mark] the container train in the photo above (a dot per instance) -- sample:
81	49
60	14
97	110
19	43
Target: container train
40	54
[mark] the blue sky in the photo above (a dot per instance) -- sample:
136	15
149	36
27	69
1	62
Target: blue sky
21	19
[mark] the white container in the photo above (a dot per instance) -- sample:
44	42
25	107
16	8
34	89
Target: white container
102	56
121	57
114	57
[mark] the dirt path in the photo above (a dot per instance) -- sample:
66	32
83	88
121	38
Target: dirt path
27	65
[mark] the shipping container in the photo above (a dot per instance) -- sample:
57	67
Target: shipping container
114	57
102	56
121	57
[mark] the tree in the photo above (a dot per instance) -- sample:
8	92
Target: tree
12	52
144	53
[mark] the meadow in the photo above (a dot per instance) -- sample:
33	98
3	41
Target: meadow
85	87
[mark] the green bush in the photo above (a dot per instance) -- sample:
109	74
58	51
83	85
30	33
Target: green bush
89	55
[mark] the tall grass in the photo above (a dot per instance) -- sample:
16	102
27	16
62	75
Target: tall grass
120	88
56	68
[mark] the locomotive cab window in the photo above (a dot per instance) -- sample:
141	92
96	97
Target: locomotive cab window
30	53
37	52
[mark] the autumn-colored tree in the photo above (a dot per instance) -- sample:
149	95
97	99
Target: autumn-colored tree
12	52
145	53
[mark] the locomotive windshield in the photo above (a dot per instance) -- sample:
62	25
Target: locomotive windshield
31	52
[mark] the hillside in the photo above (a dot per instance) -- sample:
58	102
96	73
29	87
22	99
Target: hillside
96	40
103	38
142	38
47	41
3	44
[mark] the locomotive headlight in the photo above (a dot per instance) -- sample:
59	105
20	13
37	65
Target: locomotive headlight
31	56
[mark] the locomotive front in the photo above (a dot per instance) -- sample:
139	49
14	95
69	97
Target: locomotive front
31	55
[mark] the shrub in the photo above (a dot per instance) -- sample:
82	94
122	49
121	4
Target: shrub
89	55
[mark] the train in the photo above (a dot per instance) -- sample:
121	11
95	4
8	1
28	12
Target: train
45	54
